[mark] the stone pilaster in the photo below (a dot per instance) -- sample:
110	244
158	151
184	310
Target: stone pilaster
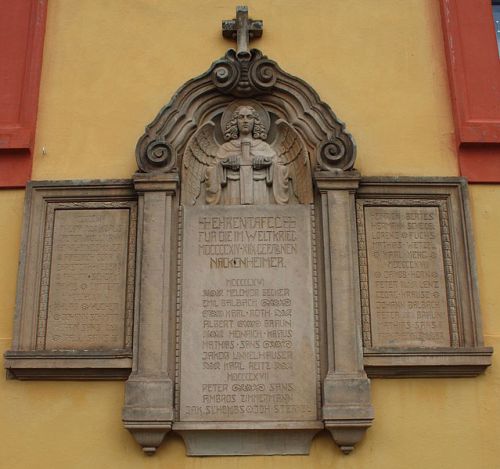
347	410
149	394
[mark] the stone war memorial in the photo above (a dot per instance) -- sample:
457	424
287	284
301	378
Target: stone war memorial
247	282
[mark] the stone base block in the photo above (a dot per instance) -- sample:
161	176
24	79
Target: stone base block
261	440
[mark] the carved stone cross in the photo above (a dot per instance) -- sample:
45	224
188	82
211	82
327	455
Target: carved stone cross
243	29
246	174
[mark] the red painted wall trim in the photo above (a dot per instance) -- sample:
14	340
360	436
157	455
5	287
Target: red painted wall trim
474	75
22	29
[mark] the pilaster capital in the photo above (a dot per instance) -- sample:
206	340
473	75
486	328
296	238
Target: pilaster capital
339	180
147	182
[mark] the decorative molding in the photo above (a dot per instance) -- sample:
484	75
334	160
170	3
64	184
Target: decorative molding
363	277
178	315
317	336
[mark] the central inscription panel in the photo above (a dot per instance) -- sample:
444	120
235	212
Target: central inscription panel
248	347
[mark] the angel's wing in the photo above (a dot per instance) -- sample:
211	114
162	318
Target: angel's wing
200	153
292	152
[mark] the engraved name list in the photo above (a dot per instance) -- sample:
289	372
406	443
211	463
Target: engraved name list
248	346
87	293
408	297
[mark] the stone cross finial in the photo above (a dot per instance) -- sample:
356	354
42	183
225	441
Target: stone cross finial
243	29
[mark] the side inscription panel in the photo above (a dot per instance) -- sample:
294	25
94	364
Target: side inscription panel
419	299
406	276
88	279
404	287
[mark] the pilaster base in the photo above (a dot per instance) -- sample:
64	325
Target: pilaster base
347	433
148	412
347	411
148	434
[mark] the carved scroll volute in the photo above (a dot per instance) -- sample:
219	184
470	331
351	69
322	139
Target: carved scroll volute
155	155
225	74
337	153
245	76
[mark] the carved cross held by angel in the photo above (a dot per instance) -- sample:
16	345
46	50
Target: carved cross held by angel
246	169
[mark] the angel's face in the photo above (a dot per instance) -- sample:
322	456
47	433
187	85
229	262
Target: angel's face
246	120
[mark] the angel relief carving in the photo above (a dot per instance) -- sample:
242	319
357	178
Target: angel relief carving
246	169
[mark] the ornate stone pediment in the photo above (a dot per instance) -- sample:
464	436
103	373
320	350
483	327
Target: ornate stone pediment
245	75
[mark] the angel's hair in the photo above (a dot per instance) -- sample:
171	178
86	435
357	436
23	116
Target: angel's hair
231	131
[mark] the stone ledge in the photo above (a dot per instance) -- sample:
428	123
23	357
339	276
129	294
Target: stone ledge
426	363
29	365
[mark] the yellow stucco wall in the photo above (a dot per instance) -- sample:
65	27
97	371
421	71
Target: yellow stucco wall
109	65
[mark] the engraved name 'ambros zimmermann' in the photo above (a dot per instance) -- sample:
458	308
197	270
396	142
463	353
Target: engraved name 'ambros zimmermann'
247	327
88	279
408	301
